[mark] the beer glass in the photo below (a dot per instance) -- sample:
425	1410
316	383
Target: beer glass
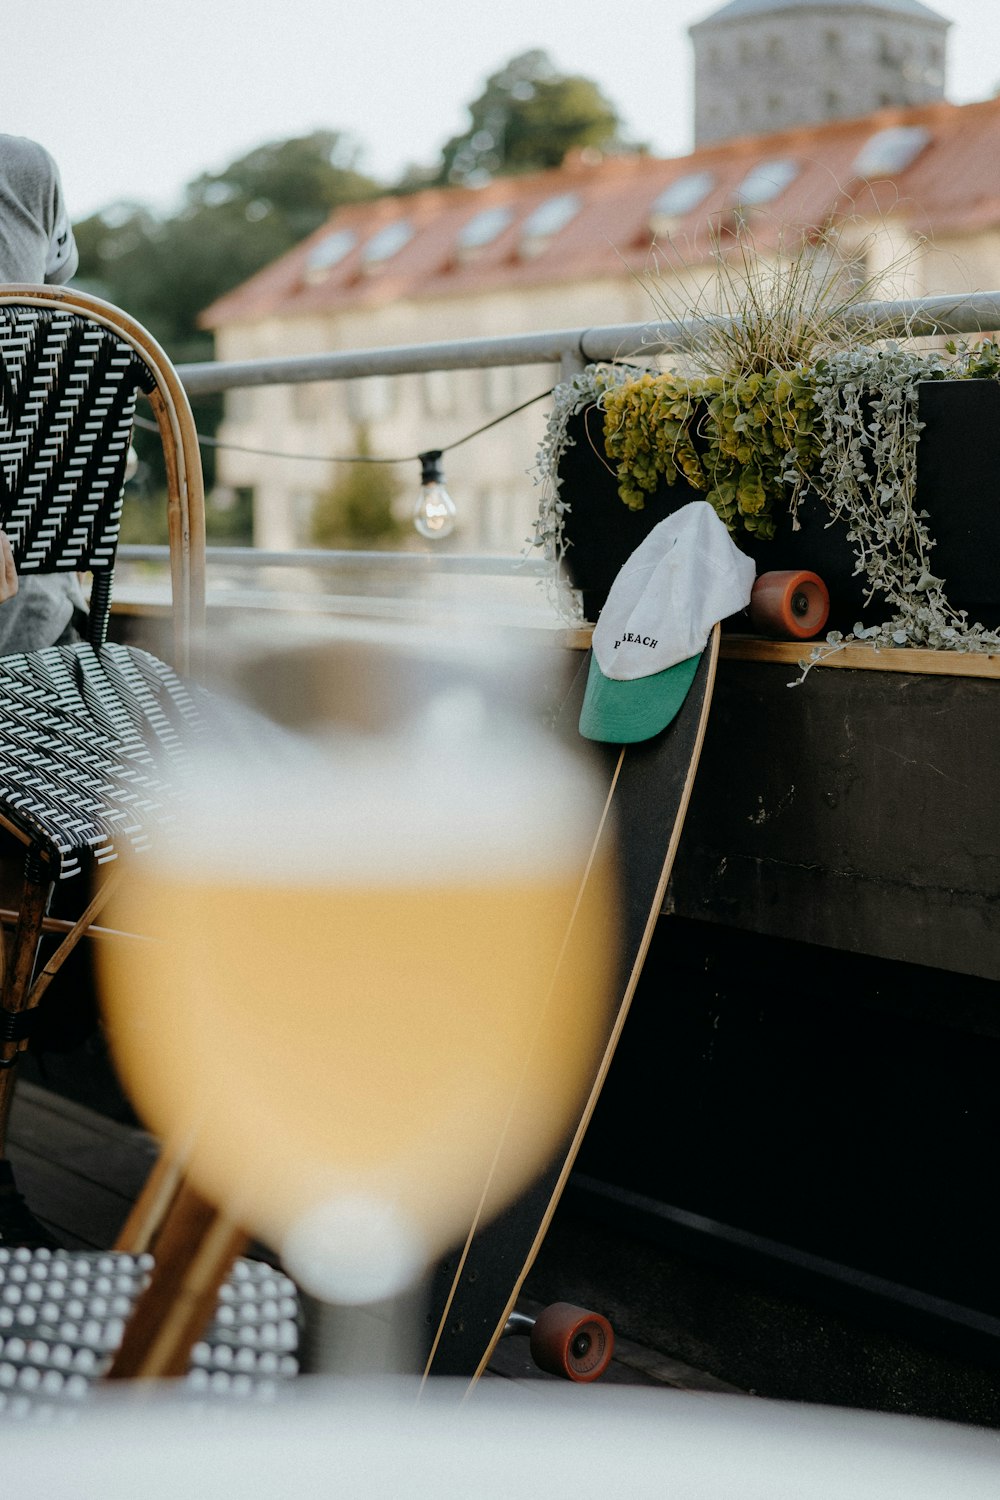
381	945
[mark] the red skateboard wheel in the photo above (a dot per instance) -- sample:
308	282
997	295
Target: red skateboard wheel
572	1342
791	603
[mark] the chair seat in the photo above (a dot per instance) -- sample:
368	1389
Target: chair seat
89	740
63	1313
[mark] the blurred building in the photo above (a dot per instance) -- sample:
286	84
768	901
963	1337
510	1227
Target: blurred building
620	240
766	64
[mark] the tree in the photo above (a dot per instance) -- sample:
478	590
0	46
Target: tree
528	117
165	271
359	509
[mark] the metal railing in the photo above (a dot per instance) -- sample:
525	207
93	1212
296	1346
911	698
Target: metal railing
570	348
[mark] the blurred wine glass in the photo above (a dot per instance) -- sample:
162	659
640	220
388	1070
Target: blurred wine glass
382	947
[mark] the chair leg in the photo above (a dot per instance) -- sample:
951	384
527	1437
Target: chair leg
195	1252
149	1211
19	971
22	987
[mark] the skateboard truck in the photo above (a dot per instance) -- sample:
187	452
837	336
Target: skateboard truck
566	1340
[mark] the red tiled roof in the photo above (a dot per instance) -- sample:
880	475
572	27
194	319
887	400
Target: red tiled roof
951	186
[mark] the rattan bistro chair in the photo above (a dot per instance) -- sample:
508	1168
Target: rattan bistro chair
90	734
85	729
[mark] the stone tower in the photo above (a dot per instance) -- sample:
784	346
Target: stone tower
762	65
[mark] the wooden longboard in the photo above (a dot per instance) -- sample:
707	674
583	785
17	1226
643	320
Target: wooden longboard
648	789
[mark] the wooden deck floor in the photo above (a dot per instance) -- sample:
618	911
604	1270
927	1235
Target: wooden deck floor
80	1171
675	1320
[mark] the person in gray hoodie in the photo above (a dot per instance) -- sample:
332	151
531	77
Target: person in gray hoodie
36	246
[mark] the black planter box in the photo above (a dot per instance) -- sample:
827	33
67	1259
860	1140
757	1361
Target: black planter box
958	484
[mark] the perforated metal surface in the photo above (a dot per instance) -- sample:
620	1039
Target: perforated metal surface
63	1314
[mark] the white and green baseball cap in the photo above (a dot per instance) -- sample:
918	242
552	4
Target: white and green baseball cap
687	575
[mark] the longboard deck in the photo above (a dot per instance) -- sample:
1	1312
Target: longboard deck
648	789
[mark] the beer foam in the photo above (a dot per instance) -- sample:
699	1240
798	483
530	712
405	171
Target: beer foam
457	795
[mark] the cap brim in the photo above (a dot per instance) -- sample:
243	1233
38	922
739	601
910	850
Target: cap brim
622	713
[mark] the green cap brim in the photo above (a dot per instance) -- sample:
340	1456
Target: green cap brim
621	713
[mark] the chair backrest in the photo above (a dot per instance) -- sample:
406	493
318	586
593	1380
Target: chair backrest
71	369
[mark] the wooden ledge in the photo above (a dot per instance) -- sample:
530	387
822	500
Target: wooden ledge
858	655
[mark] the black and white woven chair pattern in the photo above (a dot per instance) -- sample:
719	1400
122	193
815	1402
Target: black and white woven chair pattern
68	390
89	732
92	738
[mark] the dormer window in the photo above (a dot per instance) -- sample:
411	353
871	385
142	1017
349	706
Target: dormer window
765	182
483	228
679	198
386	243
890	151
329	252
547	220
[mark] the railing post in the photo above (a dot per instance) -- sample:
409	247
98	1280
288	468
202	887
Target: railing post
571	362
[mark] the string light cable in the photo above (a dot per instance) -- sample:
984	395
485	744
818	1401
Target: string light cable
434	512
333	458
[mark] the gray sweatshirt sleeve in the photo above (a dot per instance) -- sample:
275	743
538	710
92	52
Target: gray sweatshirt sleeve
63	258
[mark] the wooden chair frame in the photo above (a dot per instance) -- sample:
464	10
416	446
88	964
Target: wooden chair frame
22	989
195	1245
179	440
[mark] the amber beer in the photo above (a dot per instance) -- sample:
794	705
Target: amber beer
373	1024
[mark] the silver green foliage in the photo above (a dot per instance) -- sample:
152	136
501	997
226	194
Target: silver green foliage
568	399
866	412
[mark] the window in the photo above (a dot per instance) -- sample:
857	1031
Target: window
499	387
329	252
309	402
547	220
682	195
766	181
371	398
484	227
301	507
386	243
890	151
439	392
240	404
831	43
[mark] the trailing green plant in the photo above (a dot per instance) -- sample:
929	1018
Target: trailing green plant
748	444
867	406
847	426
569	398
736	416
781	387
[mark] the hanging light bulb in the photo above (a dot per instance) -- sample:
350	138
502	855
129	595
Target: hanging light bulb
434	514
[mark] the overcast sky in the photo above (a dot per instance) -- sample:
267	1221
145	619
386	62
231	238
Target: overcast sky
136	97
